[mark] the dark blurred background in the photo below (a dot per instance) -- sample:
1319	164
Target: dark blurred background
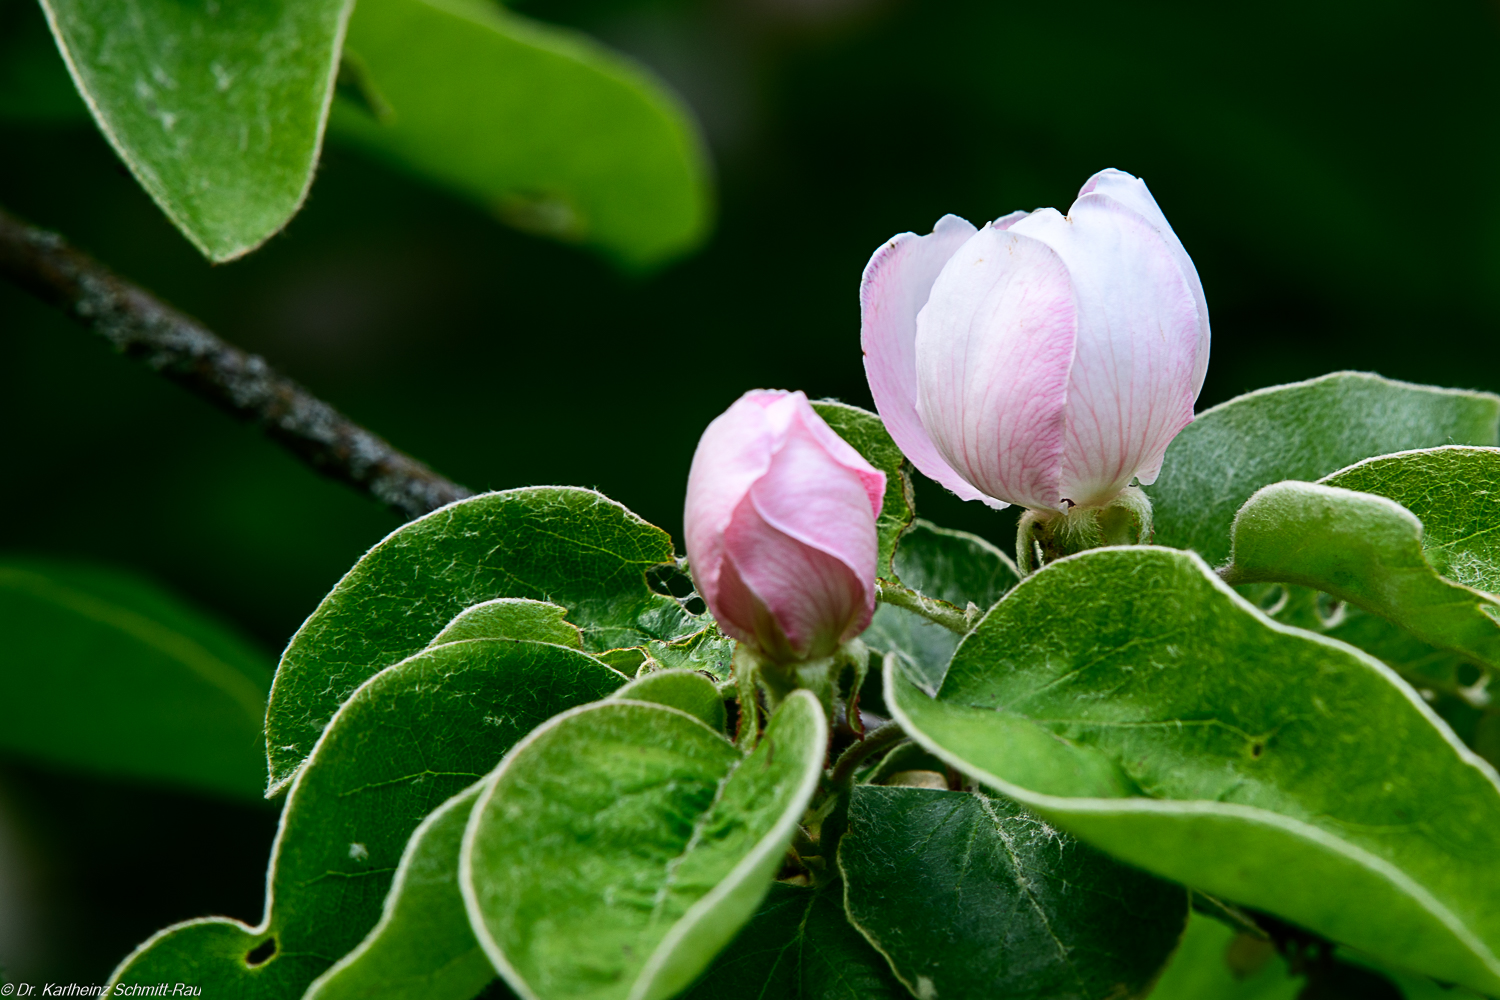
1328	166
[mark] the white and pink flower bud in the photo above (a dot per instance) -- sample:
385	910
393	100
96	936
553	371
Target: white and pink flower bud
780	528
1045	359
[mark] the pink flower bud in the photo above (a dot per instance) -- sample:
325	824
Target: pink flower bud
780	527
1043	360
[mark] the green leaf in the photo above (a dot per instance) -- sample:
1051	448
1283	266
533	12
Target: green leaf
622	845
570	547
1200	970
1300	431
1165	720
952	566
217	108
1455	491
708	650
422	949
1366	550
512	618
799	946
866	432
546	127
108	673
410	738
970	895
685	690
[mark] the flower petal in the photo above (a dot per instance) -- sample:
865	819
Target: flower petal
994	346
734	451
1135	373
895	287
1132	193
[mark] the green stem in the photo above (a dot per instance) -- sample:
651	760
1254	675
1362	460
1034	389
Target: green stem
849	761
934	610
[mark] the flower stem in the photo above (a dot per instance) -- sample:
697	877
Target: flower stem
947	615
849	761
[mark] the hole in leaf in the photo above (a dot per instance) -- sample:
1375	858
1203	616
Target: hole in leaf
1274	599
670	580
261	953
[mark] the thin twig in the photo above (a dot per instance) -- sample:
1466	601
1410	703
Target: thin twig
142	327
947	615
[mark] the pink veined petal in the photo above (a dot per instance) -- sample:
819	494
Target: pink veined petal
994	347
797	600
1132	193
808	496
734	451
840	451
1006	221
894	288
1133	379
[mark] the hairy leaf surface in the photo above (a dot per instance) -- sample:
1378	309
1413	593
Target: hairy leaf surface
552	131
406	741
108	673
422	949
1168	722
1455	491
1300	431
217	108
570	547
623	844
799	946
971	895
685	690
1367	550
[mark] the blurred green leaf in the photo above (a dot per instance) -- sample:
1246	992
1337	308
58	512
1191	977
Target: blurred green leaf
106	672
1367	550
1166	721
799	946
570	547
621	846
554	132
423	948
410	738
867	434
952	566
1300	431
217	108
1201	971
685	690
970	895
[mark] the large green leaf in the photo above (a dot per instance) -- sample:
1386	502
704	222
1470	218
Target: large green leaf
106	672
546	127
866	432
411	737
1165	720
1455	491
970	895
799	946
1364	549
623	844
423	948
570	547
951	566
217	108
1300	431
